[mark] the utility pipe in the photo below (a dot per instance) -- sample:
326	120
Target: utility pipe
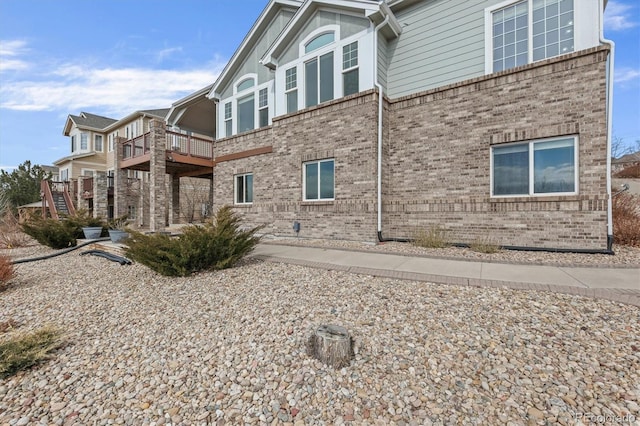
609	123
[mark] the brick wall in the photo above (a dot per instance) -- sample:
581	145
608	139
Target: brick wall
439	143
436	162
344	130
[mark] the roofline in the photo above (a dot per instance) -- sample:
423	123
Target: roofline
131	116
73	157
370	10
247	38
188	100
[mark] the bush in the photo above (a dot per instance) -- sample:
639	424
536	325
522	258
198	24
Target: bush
7	272
57	234
63	233
484	245
631	172
11	235
434	237
626	219
218	244
26	350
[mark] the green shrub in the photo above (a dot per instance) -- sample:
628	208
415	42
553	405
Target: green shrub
83	219
57	234
434	237
218	244
26	350
61	233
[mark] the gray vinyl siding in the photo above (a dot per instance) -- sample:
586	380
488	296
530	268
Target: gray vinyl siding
442	43
383	61
349	25
250	63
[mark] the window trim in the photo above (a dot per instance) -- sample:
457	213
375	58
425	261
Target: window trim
234	101
95	139
244	184
530	147
304	181
488	34
84	142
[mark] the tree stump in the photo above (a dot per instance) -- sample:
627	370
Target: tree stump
332	345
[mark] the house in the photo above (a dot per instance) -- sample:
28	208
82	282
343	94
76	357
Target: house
369	121
104	173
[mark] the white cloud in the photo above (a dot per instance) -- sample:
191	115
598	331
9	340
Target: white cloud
617	16
114	91
9	49
625	75
168	52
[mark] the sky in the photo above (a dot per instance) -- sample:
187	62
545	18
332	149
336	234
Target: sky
114	57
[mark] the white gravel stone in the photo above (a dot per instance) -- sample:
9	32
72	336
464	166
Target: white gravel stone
229	347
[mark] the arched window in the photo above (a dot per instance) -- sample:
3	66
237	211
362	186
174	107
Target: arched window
319	41
245	84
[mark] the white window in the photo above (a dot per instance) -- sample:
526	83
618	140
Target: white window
87	172
319	41
64	175
84	141
246	113
243	189
350	72
318	79
110	142
318	180
529	30
97	143
228	119
73	143
248	108
291	89
540	167
263	107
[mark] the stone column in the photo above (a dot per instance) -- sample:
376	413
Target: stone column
158	168
100	195
81	202
119	180
175	200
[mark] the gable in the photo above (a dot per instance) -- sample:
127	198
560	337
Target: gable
249	62
347	24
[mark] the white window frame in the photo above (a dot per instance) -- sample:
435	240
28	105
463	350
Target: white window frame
110	142
355	67
290	89
366	55
74	143
304	180
581	39
238	96
228	117
84	141
244	189
530	144
64	174
95	143
87	172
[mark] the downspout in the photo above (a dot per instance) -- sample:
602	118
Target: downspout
380	111
609	124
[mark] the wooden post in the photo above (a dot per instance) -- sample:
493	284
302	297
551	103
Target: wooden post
332	345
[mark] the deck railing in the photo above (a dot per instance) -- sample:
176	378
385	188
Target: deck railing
175	142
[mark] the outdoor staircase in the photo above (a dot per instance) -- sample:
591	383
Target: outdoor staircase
56	199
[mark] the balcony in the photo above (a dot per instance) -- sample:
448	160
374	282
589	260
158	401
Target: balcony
185	155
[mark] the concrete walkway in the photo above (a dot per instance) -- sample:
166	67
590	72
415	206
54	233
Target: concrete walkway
617	284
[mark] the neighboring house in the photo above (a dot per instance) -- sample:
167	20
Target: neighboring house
86	134
368	120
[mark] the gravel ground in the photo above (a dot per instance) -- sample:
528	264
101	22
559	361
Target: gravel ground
624	256
228	347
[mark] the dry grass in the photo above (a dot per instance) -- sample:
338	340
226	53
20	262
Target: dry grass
434	237
26	350
8	325
626	219
11	235
7	272
484	245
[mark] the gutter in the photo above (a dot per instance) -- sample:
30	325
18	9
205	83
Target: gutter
610	62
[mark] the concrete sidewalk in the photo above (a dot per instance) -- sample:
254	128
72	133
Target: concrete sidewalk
617	284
